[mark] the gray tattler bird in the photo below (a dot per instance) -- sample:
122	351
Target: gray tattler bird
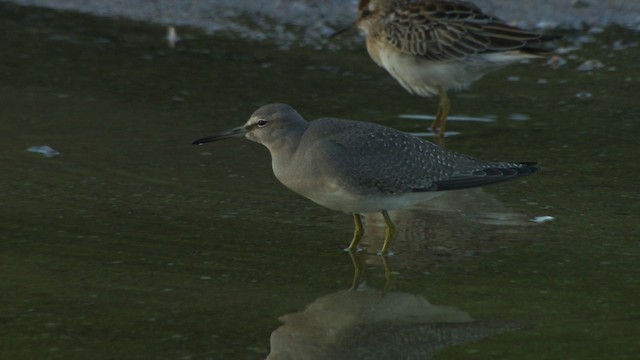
360	167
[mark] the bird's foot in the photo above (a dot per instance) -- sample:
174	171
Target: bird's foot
357	249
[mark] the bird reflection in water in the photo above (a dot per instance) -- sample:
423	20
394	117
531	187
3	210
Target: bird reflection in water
366	323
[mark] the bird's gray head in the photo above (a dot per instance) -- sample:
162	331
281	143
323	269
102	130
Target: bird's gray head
272	125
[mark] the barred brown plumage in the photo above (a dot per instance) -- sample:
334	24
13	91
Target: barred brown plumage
432	46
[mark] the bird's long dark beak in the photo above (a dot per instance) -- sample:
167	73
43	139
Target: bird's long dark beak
343	30
227	134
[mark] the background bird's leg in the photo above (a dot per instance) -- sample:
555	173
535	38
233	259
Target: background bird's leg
440	123
389	233
357	234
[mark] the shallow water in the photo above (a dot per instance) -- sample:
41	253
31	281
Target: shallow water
132	243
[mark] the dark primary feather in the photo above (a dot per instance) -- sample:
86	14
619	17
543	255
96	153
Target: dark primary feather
449	30
486	176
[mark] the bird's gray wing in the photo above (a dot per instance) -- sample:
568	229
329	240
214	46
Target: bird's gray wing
450	30
385	161
374	159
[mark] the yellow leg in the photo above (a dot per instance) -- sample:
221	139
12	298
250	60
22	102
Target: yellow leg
389	233
357	234
440	123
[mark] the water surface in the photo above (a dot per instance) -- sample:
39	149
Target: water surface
132	243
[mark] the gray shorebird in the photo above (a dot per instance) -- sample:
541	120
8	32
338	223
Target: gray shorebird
359	167
432	46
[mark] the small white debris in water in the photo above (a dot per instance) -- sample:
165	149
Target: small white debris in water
546	24
431	134
485	119
621	44
172	36
542	81
565	50
519	117
45	150
513	78
591	65
584	95
586	39
596	30
542	219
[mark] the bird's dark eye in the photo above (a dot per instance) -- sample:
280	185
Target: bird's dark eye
366	12
261	123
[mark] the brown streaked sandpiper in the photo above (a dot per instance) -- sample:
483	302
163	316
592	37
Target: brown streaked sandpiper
432	46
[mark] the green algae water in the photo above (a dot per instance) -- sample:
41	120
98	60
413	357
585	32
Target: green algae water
132	243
